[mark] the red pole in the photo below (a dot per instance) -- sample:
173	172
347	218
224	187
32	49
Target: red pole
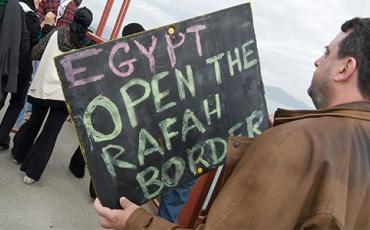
119	21
94	37
104	18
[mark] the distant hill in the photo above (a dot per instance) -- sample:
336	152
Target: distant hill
277	97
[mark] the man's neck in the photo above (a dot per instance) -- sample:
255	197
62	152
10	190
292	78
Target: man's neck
346	99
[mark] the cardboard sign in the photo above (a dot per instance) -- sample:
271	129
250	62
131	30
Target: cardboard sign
154	110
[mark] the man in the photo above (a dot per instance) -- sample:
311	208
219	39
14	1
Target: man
312	171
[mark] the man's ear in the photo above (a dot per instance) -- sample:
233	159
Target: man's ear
347	68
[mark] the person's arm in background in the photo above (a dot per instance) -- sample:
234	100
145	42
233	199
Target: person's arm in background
40	12
48	24
46	30
39	49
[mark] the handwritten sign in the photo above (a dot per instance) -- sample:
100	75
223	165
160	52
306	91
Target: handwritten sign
154	110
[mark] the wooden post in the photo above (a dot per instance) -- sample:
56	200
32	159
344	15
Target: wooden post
104	18
119	21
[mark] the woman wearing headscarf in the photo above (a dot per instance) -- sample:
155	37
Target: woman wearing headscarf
29	37
46	96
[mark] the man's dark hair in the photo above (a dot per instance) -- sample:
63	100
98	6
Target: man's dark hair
357	45
132	28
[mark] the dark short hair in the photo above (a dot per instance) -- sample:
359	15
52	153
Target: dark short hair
132	28
357	45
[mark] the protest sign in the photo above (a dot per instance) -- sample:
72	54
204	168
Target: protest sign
154	110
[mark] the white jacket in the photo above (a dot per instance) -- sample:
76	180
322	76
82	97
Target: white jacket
46	84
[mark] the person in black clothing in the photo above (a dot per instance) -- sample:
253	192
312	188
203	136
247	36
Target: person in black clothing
33	25
29	36
46	97
13	38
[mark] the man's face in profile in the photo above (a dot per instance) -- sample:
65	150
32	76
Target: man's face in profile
327	66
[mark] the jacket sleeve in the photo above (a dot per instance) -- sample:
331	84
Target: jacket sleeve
141	219
144	220
46	30
322	221
39	49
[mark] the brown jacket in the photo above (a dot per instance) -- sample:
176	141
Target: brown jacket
313	173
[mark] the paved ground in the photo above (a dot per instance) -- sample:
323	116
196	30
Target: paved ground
57	201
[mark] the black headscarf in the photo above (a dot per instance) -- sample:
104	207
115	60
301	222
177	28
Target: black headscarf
78	2
132	28
79	26
29	3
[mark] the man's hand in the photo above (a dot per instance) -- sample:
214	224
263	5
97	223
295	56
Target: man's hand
115	218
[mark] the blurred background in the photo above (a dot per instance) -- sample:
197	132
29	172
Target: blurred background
290	35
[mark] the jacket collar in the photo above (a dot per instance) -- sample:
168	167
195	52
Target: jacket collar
357	110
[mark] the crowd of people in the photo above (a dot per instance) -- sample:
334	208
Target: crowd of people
310	171
43	29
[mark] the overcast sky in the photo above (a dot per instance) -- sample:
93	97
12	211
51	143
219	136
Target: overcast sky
290	34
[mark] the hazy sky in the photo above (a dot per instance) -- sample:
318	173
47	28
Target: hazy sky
290	34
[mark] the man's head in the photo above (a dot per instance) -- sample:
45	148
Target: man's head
343	72
132	28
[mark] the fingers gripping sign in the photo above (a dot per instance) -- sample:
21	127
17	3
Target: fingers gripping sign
115	218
